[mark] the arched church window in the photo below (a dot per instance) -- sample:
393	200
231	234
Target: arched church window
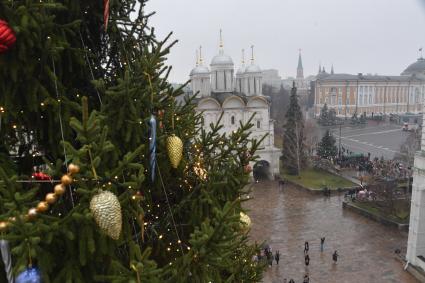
233	120
258	124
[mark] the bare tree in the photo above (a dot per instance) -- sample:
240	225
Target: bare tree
384	193
409	148
311	134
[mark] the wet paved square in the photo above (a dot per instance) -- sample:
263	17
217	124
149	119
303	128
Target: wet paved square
286	219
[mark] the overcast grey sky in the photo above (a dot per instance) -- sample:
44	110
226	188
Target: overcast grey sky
368	36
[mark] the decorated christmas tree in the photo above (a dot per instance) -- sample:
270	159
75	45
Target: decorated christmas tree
104	177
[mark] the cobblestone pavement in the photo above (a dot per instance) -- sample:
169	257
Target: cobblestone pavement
287	219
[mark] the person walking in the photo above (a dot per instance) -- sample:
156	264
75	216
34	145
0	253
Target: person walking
335	257
307	260
270	258
291	281
277	257
306	279
322	243
306	248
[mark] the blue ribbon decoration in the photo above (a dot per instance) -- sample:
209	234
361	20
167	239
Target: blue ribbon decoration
152	146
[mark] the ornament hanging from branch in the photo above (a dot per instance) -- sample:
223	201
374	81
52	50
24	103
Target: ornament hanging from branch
247	169
106	210
105	13
245	222
175	150
152	146
161	118
29	275
7	37
152	133
174	144
40	176
7	260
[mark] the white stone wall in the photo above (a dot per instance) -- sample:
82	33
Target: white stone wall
416	240
222	79
201	83
235	107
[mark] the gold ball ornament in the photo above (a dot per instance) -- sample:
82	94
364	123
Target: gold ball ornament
137	196
32	213
42	206
59	189
3	225
73	169
51	198
66	180
247	169
175	150
106	210
246	221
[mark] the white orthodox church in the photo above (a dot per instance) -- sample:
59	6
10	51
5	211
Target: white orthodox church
219	90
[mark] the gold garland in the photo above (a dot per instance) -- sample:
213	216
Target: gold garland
50	198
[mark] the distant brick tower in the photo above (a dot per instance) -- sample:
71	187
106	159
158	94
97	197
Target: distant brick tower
300	72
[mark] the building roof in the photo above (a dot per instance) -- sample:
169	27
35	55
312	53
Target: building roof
222	59
365	78
199	70
417	67
253	69
241	70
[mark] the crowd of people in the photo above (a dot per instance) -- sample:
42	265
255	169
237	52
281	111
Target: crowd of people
388	168
376	167
266	255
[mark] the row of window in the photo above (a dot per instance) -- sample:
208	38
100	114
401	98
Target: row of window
367	95
372	89
375	109
256	82
224	78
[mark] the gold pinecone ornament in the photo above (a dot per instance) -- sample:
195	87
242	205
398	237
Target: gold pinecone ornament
106	210
175	150
246	222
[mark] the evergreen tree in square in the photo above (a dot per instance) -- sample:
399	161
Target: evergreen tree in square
293	152
327	148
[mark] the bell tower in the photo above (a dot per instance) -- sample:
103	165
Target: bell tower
300	71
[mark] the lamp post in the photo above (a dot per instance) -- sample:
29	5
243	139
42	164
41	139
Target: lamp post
339	151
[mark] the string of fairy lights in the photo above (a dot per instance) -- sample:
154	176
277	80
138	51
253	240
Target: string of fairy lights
154	210
178	246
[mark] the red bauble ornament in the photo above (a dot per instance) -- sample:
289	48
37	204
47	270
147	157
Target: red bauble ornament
247	169
40	176
7	37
